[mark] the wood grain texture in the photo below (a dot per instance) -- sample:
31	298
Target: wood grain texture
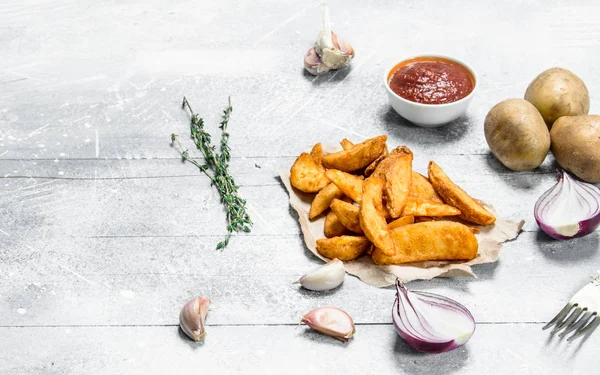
105	233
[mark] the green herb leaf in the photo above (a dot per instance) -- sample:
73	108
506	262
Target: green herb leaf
217	163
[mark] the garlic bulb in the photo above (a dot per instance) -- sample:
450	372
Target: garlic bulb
326	277
331	321
192	316
329	51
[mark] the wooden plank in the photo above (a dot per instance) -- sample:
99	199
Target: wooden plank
133	280
376	349
164	197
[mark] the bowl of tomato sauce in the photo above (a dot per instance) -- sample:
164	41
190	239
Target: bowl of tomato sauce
430	90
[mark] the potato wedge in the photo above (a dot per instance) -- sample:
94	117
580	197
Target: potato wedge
348	214
332	226
397	170
306	175
372	219
323	199
434	240
423	207
453	195
404	220
317	153
422	188
423	219
371	167
344	248
356	157
349	184
346	144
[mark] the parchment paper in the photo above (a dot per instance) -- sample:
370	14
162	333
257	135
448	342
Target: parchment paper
490	241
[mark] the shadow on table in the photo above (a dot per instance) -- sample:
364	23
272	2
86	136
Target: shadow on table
319	338
569	251
192	344
414	362
400	128
520	179
331	76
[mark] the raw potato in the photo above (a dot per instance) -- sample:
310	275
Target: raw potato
306	175
434	240
356	157
348	214
404	220
576	146
349	184
517	134
323	200
332	226
454	196
344	248
372	219
317	153
422	188
558	92
423	207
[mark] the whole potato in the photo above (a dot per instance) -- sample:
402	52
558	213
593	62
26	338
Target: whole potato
558	92
576	145
517	134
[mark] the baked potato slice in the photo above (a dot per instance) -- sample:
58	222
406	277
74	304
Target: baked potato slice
344	248
453	195
306	175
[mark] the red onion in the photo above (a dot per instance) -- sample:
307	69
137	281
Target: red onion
429	322
569	209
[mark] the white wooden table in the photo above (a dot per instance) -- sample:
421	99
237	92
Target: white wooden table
105	233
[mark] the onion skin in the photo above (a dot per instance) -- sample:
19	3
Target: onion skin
428	346
586	226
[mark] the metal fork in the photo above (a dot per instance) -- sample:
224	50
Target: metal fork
580	314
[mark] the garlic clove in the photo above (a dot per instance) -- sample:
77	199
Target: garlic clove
192	316
312	62
331	321
326	277
335	58
332	51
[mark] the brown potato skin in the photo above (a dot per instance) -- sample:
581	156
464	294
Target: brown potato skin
357	157
332	226
398	180
517	134
576	145
454	196
432	240
306	175
558	92
344	248
348	214
323	200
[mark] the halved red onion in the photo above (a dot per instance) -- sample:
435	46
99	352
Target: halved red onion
569	209
429	322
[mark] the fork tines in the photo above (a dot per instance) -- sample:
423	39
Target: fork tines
574	318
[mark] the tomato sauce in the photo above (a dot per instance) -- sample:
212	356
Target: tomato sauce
431	80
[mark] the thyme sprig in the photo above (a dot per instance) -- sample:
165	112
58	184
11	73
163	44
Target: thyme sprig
216	168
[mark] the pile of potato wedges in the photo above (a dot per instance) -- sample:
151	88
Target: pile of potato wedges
375	203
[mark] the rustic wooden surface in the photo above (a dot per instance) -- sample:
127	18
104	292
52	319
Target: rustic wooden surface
105	233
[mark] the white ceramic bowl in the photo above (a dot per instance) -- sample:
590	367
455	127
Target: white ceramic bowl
429	115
